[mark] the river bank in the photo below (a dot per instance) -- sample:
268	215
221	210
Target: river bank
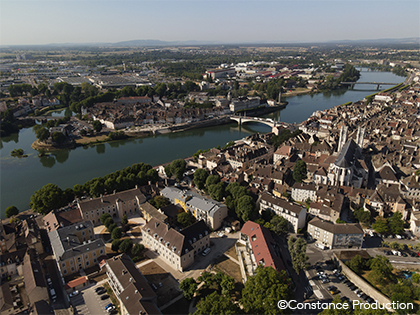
65	168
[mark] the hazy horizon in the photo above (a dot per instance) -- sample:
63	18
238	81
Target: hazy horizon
39	22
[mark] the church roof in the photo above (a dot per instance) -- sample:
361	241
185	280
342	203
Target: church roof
346	156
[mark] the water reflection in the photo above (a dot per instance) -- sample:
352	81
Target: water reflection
61	156
47	161
100	148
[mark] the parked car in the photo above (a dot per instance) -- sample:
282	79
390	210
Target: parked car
100	292
99	288
74	293
111	309
206	251
352	287
108	306
104	297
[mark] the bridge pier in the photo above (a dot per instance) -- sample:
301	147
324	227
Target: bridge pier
377	87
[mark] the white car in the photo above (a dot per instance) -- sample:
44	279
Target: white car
74	293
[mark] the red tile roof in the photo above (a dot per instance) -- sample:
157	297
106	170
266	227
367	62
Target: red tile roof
262	245
76	282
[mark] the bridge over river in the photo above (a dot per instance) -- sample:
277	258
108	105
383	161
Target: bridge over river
371	83
266	121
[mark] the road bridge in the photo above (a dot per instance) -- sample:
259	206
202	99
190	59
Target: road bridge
266	121
371	83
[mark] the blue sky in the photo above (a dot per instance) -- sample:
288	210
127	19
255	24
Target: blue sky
86	21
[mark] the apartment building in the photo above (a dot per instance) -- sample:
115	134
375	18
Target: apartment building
336	235
212	212
177	249
302	192
75	247
117	205
293	213
260	246
130	286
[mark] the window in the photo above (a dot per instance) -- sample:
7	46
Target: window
86	257
87	263
101	251
63	264
94	254
72	268
78	259
65	271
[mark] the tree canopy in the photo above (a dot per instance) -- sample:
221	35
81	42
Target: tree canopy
188	286
126	245
215	304
297	249
299	171
263	291
200	176
11	211
47	198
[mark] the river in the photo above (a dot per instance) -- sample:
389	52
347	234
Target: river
20	177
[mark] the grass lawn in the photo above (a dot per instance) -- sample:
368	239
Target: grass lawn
228	267
232	252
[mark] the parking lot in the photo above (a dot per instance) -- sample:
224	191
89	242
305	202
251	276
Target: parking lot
88	302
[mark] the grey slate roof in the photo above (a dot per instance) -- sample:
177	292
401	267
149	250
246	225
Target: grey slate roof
192	200
348	228
66	244
347	154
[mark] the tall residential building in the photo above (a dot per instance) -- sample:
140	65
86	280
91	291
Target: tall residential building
76	248
177	249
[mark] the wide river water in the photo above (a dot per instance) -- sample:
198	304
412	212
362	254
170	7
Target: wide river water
20	177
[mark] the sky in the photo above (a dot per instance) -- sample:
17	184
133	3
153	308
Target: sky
37	22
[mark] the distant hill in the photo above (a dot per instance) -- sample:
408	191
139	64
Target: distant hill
155	42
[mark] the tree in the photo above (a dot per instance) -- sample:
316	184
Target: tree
200	176
111	228
245	208
116	233
47	198
124	220
115	245
108	222
381	269
178	168
415	277
137	248
97	126
207	278
58	137
381	225
217	191
11	211
279	225
299	171
297	249
215	304
395	223
402	298
185	219
126	245
212	180
42	134
159	202
227	285
188	286
263	291
357	264
104	217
